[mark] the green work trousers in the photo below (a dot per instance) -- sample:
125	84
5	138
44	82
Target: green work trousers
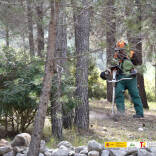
120	88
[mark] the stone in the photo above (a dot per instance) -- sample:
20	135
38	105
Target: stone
105	153
9	154
4	142
63	147
5	149
80	148
71	153
20	154
95	146
116	152
140	129
60	152
94	153
42	146
78	154
48	152
41	154
85	151
22	139
19	149
66	144
144	152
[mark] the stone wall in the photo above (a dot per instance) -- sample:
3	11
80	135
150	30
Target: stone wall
20	145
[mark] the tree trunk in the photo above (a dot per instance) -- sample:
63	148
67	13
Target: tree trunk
40	29
7	36
47	83
30	26
82	27
135	42
110	39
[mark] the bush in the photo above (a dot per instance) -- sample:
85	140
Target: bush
20	83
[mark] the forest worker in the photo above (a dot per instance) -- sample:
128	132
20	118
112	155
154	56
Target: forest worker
125	69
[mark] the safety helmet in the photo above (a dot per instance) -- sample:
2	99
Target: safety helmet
120	45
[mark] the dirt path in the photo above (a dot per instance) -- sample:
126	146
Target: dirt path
123	129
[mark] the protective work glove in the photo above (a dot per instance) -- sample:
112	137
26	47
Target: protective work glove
105	75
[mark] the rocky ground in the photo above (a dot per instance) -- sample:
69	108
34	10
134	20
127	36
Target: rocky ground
124	128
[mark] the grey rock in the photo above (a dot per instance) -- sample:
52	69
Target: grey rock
22	139
19	149
9	154
93	153
60	152
71	153
80	148
41	154
48	152
42	146
4	142
66	144
153	150
5	149
144	152
95	146
105	153
85	151
63	147
20	154
116	152
78	154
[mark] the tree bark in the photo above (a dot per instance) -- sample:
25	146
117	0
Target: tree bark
82	27
135	42
61	48
110	39
30	26
47	83
40	29
7	36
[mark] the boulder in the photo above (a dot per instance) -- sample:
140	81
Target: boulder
105	153
60	152
4	142
48	152
94	153
118	152
5	149
71	153
78	154
42	146
19	149
9	154
85	151
144	152
95	146
80	148
22	139
66	144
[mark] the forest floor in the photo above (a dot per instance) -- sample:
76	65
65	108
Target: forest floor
104	128
124	128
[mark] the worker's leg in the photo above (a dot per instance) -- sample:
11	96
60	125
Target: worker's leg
133	90
119	97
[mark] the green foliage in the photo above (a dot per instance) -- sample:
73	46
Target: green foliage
96	86
20	87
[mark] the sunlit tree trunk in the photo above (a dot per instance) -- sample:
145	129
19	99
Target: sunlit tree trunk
47	83
82	27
